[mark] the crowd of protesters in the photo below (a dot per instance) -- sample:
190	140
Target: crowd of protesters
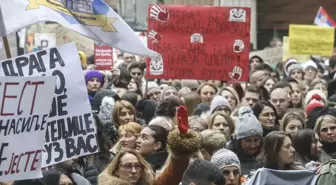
283	118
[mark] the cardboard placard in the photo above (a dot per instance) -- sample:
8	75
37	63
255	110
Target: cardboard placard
195	42
71	131
103	57
311	40
25	104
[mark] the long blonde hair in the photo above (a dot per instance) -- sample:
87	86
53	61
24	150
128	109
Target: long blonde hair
147	176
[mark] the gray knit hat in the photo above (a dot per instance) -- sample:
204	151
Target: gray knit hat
218	101
294	67
225	157
247	124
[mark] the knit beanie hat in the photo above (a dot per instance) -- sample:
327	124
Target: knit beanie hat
310	63
94	74
247	124
313	104
288	64
224	157
295	67
218	101
315	94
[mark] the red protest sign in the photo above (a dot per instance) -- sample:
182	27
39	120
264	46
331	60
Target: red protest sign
195	42
103	57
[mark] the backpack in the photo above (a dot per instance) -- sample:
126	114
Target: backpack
328	173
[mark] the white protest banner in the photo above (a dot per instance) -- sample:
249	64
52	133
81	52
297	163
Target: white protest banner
269	55
71	131
45	40
25	104
91	18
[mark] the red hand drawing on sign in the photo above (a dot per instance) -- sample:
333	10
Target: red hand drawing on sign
236	73
158	13
155	36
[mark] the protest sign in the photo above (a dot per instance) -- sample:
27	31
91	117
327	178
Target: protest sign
311	40
63	36
286	55
269	55
45	40
103	57
71	131
25	104
195	42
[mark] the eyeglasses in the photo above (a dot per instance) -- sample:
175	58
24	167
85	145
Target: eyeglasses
129	166
138	74
171	93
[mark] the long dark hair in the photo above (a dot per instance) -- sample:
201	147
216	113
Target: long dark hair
52	177
269	156
259	107
302	141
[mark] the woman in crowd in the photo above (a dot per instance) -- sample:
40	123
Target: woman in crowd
127	168
232	96
266	114
296	72
278	152
296	96
308	147
128	134
229	164
319	84
268	84
291	123
135	87
222	122
131	168
197	123
152	145
123	113
326	129
207	92
247	140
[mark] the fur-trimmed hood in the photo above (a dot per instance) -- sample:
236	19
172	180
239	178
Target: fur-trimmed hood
107	179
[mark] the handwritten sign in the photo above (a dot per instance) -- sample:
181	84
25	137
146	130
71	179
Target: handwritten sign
269	55
25	104
71	131
45	40
195	42
286	54
103	57
311	40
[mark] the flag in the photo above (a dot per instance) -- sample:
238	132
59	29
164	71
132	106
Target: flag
323	19
91	18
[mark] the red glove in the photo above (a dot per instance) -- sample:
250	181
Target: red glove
182	117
